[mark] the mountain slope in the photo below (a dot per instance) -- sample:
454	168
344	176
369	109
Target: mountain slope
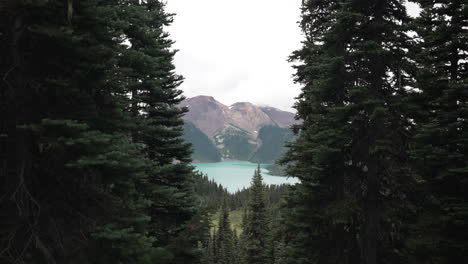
203	148
206	114
242	131
248	117
281	118
273	139
235	144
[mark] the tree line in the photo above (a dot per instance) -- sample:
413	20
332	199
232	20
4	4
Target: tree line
93	169
255	243
213	194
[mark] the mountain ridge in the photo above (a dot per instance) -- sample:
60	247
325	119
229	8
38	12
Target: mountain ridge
237	131
210	115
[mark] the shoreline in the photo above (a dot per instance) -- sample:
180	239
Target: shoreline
263	166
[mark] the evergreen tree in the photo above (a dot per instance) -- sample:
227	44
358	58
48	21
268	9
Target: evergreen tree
148	73
277	235
209	251
440	149
224	238
348	154
70	176
319	221
255	234
236	248
89	174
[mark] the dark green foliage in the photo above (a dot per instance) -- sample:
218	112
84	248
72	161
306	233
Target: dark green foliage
71	177
273	196
255	236
148	71
214	196
237	248
203	149
273	139
95	169
88	174
276	170
225	244
210	193
209	250
236	144
349	154
440	149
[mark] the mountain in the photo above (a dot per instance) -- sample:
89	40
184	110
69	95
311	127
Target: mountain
272	147
241	131
203	149
281	118
206	113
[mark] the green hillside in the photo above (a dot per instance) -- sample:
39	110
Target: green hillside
232	143
273	139
235	144
203	148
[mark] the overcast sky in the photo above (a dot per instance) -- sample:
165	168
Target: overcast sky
237	50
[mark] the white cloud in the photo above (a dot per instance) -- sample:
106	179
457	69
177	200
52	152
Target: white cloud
237	50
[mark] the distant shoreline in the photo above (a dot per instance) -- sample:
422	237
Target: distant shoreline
227	160
266	166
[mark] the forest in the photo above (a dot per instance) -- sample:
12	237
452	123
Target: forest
95	169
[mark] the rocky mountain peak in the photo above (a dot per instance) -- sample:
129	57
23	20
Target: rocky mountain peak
240	131
281	118
205	113
212	117
249	117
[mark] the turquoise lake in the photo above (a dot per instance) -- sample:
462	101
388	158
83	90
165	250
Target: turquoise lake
235	175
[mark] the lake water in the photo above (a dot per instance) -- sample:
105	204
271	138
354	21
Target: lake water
235	175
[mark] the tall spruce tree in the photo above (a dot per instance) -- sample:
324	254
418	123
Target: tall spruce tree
256	226
70	176
236	248
148	73
89	174
440	151
208	256
224	244
350	150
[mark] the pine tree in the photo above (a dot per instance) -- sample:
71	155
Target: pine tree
91	174
440	150
70	178
256	232
148	73
349	154
224	239
319	218
277	233
209	251
236	248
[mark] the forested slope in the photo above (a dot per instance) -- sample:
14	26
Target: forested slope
203	149
273	144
